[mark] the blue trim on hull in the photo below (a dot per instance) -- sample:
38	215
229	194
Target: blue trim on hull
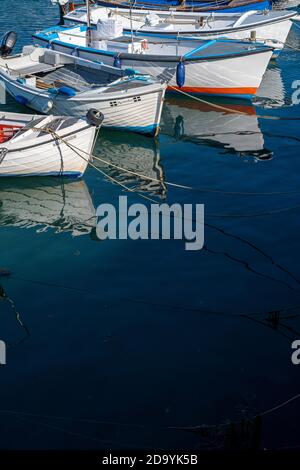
265	5
68	174
52	39
148	130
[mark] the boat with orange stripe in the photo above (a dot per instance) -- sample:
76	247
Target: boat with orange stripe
215	67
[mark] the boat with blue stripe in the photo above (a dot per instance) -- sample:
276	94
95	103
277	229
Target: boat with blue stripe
190	6
216	67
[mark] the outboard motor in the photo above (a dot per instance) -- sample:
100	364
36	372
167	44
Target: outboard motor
94	117
8	43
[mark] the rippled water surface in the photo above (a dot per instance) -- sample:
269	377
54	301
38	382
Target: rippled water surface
114	342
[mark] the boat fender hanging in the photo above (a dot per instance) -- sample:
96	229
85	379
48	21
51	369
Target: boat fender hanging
117	62
8	43
75	52
67	90
144	44
21	100
180	74
130	72
46	108
94	117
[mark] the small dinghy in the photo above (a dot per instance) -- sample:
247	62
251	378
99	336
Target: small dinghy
48	81
45	145
219	67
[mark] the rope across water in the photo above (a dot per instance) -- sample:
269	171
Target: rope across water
90	156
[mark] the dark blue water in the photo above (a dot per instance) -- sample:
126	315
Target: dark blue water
113	343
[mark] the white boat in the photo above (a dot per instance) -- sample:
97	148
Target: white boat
47	81
231	6
217	67
44	204
44	145
269	27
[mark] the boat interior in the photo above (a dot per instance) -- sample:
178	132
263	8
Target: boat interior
13	126
13	123
47	69
201	22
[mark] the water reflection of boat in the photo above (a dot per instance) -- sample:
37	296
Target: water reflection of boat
43	204
233	127
272	93
135	153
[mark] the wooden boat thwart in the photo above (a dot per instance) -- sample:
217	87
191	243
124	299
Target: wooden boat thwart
48	81
217	67
44	145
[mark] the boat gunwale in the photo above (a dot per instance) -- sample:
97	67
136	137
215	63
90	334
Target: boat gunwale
157	58
45	142
198	34
232	4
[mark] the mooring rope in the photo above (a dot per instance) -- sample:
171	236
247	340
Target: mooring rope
259	214
91	156
88	160
228	110
76	150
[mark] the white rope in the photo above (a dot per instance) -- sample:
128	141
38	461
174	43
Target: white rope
167	183
88	160
90	156
234	111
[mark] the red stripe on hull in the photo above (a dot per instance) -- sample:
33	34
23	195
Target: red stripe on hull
216	91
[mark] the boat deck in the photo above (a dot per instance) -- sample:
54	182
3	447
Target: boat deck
83	79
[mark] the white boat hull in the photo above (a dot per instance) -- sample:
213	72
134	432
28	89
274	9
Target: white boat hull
236	77
127	114
271	28
67	155
136	109
140	112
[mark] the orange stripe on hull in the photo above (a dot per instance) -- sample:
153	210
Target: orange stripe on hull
216	91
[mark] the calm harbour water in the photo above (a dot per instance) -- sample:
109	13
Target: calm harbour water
118	341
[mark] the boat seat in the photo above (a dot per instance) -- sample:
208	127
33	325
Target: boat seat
35	69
